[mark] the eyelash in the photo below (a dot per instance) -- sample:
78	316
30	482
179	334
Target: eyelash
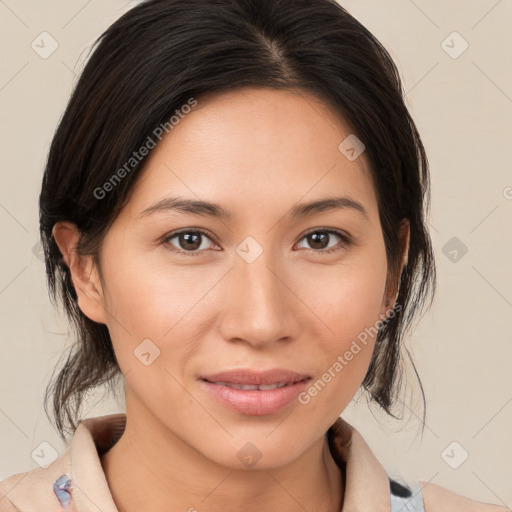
346	240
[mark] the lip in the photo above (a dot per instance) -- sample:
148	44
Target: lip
255	402
254	377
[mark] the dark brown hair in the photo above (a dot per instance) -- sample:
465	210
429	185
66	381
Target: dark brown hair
156	57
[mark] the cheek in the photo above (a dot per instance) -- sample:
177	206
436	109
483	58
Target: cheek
347	305
347	298
159	313
150	306
151	296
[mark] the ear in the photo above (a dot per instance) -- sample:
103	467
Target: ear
83	270
393	285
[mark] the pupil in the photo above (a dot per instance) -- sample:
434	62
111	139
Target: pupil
315	237
188	243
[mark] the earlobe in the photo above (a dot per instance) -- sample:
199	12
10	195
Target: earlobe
83	270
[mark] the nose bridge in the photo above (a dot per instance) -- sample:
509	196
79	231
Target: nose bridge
260	306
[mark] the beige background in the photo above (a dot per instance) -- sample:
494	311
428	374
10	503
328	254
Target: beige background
462	347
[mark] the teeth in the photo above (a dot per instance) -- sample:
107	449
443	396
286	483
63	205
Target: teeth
263	387
273	386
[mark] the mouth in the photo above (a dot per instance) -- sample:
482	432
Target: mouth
255	393
246	387
249	377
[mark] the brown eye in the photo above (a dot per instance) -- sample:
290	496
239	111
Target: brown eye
320	239
189	243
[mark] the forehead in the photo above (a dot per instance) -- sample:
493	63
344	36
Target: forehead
252	148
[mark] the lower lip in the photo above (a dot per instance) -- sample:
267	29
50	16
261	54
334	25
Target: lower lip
254	401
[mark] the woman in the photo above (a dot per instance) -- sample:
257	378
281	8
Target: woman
233	216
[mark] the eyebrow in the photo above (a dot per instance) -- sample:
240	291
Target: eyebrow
208	209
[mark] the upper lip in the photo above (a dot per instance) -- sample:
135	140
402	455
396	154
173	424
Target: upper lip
254	377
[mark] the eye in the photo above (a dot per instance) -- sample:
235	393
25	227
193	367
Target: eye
189	242
320	237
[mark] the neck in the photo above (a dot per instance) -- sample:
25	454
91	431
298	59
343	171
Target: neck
141	477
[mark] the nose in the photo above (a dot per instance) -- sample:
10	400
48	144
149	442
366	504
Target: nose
260	306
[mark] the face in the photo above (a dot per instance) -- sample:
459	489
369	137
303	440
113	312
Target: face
266	285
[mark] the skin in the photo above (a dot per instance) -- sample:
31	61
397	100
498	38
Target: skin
256	152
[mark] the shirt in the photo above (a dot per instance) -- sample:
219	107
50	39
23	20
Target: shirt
75	481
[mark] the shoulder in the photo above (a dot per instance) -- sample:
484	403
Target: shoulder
28	491
439	499
38	489
6	505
